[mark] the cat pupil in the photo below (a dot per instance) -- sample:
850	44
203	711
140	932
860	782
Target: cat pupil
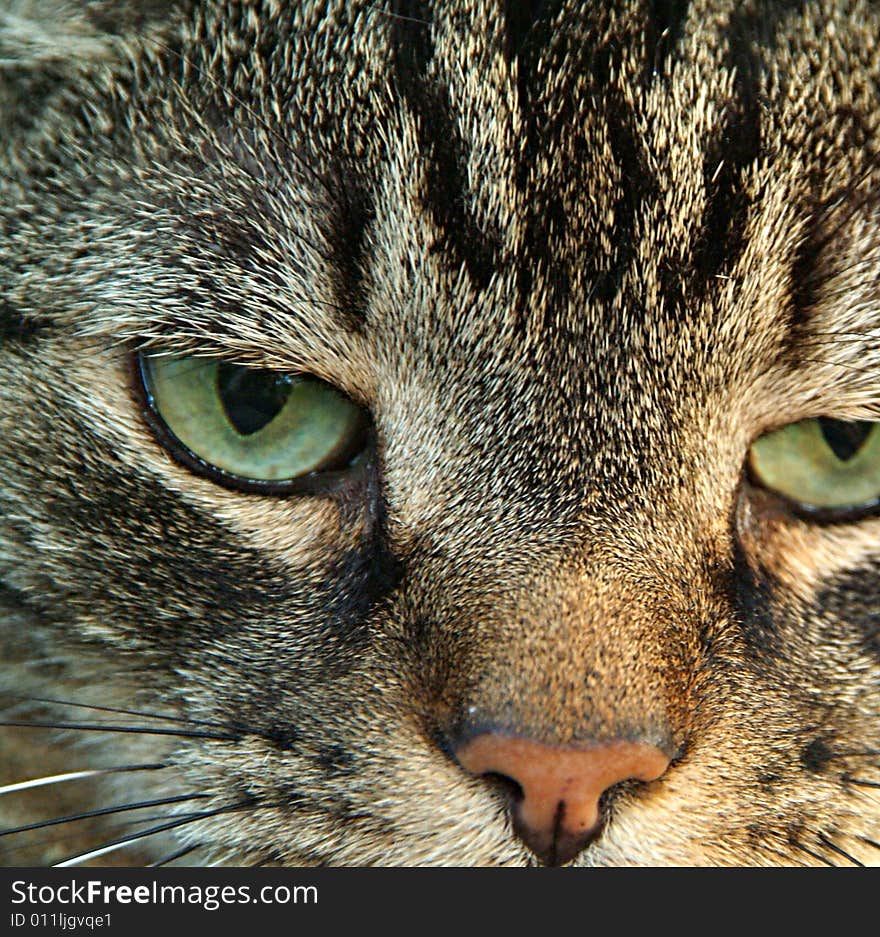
251	398
844	437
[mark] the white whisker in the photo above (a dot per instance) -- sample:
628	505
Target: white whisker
184	820
52	779
76	860
70	776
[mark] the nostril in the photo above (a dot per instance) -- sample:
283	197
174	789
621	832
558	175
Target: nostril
511	790
556	791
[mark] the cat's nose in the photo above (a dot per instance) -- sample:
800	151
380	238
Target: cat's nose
557	812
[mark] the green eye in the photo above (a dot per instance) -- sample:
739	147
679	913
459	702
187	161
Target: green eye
252	429
822	463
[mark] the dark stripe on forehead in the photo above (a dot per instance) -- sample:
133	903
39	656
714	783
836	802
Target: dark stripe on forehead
519	20
755	33
719	237
442	147
668	19
553	36
751	34
410	27
720	240
562	56
639	188
816	262
598	59
529	33
352	213
754	27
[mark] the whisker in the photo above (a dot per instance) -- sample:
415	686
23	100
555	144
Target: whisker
123	841
179	854
105	827
777	852
262	862
854	205
841	852
124	712
865	754
397	16
219	861
102	812
73	776
860	783
870	842
870	341
861	263
138	730
849	336
112	847
41	662
870	371
823	859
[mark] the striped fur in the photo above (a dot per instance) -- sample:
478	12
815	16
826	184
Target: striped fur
574	258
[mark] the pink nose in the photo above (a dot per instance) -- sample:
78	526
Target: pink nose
559	809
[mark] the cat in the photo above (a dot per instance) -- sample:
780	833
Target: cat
440	433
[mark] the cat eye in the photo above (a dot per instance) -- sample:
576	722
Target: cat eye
826	465
248	428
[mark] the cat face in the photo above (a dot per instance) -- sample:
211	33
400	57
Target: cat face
524	589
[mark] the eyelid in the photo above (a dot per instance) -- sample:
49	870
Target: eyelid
342	359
